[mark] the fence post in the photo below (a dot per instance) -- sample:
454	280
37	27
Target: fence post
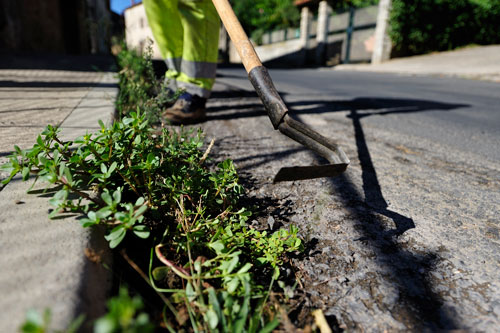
305	24
382	47
324	11
350	30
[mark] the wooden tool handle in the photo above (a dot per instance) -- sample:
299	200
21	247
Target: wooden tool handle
238	36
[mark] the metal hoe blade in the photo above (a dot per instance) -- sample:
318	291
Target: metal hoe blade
278	113
316	142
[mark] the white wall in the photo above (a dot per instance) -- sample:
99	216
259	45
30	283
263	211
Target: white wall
137	30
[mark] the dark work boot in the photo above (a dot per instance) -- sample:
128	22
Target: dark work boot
188	109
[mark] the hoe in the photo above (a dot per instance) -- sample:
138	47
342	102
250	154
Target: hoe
277	110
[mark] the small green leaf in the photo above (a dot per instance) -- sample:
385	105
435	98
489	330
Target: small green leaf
276	273
243	313
117	195
92	215
33	320
190	293
150	158
232	264
117	238
218	246
107	198
262	260
197	266
139	201
103	213
25	173
59	197
115	233
245	268
68	176
62	166
40	141
212	318
141	231
138	213
233	284
270	326
160	273
121	216
87	222
112	168
105	325
127	121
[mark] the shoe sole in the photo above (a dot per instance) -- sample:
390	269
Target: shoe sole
180	118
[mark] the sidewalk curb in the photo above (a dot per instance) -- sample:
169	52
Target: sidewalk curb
477	63
56	263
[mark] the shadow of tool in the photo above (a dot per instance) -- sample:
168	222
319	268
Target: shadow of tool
371	186
409	271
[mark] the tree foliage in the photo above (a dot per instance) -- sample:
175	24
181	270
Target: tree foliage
343	5
422	26
258	16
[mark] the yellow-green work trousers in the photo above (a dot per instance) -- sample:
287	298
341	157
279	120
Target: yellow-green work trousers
187	34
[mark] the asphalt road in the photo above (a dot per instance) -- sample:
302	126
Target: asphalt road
458	112
408	238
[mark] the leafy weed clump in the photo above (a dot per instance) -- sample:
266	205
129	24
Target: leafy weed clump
213	271
133	179
139	87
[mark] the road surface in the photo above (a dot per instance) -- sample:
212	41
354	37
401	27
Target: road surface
408	237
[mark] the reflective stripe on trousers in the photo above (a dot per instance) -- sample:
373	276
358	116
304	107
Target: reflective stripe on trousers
187	34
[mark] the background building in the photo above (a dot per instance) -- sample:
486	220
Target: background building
137	30
55	26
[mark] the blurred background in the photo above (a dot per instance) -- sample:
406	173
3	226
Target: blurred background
294	32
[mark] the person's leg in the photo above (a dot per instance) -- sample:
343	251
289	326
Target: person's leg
165	21
201	26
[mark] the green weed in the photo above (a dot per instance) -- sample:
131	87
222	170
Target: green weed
216	273
139	87
123	316
36	322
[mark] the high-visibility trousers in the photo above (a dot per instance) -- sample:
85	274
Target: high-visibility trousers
187	34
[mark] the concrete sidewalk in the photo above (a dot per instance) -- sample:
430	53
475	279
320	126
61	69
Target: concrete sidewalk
480	63
44	262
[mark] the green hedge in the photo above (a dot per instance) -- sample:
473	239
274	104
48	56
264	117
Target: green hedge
259	16
422	26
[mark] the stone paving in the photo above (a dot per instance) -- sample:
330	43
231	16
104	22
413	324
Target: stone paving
32	99
34	275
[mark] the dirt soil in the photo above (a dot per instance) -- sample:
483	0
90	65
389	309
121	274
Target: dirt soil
404	240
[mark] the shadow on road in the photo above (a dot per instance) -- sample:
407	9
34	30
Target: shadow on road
418	306
410	271
364	106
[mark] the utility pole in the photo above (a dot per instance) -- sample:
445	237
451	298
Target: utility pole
324	12
305	29
382	47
